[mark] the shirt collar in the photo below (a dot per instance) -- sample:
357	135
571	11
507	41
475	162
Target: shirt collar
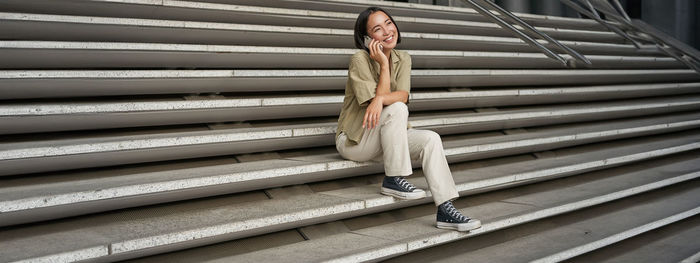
395	57
394	61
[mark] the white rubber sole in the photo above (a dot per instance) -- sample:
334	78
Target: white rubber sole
417	194
471	225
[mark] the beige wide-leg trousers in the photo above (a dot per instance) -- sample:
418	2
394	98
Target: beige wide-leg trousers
398	146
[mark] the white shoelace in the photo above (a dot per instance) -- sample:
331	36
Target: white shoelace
405	184
452	211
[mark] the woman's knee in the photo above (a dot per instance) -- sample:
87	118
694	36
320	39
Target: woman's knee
398	109
433	138
354	153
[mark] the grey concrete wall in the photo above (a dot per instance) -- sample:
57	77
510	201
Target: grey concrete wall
696	27
677	18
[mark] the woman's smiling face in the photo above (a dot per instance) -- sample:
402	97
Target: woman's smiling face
381	28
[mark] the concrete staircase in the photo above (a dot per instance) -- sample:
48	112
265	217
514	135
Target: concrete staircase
186	131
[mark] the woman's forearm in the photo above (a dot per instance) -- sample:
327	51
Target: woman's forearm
383	87
383	91
396	96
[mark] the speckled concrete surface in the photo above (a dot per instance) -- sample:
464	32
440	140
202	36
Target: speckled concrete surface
151	232
135	55
337	15
586	227
145	187
528	205
21	151
61	193
331	32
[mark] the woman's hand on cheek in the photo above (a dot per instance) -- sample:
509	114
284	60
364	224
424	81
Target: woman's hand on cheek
373	113
377	54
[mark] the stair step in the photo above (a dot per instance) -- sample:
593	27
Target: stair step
65	116
35	199
51	155
151	129
228	13
415	10
624	235
507	208
467	98
562	237
16	84
34	54
28	26
133	233
674	243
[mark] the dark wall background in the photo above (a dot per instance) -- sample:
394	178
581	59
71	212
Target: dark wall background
678	18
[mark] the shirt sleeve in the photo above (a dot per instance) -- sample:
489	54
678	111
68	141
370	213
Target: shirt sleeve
403	75
361	80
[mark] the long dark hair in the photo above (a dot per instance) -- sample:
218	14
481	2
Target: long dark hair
361	27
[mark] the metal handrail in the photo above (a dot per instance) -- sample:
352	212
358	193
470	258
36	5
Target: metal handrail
618	14
531	29
594	15
672	52
485	12
610	12
619	8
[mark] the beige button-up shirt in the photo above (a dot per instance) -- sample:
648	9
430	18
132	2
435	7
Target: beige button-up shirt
363	76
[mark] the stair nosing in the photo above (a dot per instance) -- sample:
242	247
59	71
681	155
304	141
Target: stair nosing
582	249
180	24
56	148
315	167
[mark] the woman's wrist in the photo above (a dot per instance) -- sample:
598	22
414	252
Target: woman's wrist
384	65
379	99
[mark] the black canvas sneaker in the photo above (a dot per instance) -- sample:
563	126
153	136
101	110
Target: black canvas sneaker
448	217
398	187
